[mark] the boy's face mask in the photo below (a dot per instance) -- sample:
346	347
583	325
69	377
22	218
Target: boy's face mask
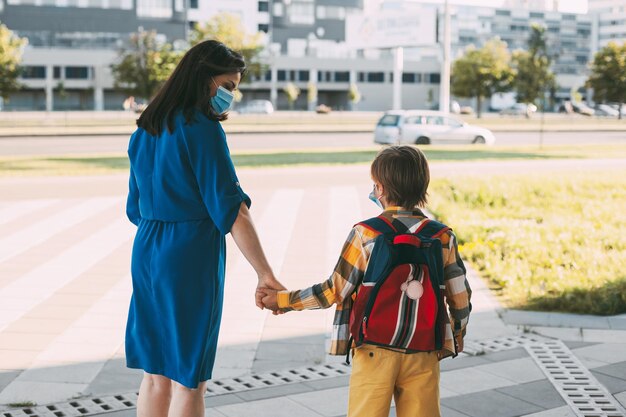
223	99
375	199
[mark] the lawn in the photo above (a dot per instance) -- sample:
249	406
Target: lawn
102	164
544	243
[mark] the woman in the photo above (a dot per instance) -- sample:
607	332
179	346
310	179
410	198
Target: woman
184	197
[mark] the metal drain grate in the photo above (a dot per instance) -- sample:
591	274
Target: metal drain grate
103	405
578	387
480	347
84	407
272	379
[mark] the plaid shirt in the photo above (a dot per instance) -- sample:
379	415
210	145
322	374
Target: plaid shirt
342	286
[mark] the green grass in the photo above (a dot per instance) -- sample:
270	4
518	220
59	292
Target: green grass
22	404
99	164
544	243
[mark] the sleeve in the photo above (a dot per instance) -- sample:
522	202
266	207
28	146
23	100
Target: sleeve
346	277
132	202
457	290
215	173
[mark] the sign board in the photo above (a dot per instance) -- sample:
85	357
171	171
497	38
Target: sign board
392	28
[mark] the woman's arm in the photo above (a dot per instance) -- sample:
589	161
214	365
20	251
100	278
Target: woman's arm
247	241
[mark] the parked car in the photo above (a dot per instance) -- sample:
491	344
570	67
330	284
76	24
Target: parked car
582	109
424	127
256	107
520	109
606	110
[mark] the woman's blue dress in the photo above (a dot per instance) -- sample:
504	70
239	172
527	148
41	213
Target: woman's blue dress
184	196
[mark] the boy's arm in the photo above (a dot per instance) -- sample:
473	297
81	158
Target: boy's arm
457	291
348	274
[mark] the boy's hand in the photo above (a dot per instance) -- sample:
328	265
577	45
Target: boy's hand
270	299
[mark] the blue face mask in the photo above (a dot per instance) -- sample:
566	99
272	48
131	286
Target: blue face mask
222	101
375	199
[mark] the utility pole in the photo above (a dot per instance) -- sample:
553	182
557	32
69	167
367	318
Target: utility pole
444	91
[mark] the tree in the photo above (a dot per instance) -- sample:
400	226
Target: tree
145	65
482	72
354	95
10	57
228	29
608	75
533	76
311	95
292	92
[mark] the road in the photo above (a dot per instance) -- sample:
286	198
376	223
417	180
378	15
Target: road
83	145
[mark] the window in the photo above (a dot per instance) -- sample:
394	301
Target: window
292	75
268	75
57	73
279	10
389	120
77	73
193	4
361	77
264	27
281	75
342	76
375	77
264	6
500	12
536	15
581	59
303	75
302	12
408	77
331	12
433	78
34	72
567	16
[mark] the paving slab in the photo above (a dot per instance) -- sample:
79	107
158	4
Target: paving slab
621	397
275	407
541	393
490	403
611	383
517	370
329	403
555	412
469	380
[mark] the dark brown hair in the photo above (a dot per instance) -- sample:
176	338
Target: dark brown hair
404	174
189	86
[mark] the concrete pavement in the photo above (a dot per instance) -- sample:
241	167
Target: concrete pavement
64	290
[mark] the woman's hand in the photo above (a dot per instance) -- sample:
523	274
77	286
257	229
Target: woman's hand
266	281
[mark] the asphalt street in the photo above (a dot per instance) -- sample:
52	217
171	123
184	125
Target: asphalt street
83	145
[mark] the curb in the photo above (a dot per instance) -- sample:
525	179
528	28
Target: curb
550	319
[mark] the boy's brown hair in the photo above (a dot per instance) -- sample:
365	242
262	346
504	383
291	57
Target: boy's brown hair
404	174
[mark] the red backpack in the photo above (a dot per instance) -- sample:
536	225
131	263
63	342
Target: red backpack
400	303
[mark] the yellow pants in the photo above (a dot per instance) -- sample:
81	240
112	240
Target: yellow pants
377	374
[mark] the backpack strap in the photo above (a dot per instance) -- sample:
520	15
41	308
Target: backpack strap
432	229
379	224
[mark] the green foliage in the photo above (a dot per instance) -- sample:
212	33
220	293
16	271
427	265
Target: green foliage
145	65
228	29
608	74
292	92
311	92
533	76
354	95
482	72
10	57
552	244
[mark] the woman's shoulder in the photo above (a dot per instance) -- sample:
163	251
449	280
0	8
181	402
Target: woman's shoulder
196	119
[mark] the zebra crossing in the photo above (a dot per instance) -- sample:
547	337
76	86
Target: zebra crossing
65	284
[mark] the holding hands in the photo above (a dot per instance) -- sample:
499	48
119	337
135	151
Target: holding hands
266	292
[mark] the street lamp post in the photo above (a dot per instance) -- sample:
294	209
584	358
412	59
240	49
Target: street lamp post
444	92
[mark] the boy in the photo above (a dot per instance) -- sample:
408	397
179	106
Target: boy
401	177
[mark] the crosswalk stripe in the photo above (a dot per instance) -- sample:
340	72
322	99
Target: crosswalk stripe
36	233
15	210
274	226
86	336
38	284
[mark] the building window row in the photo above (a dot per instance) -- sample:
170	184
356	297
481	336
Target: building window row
38	72
344	77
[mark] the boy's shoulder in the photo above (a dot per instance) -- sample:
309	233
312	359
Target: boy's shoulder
371	228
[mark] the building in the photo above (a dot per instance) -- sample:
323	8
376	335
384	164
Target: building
72	44
609	22
254	14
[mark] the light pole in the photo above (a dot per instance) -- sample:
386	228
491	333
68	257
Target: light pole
444	92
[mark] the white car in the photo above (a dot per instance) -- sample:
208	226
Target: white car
256	107
424	127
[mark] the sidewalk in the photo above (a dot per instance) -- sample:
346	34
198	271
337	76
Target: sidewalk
64	288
